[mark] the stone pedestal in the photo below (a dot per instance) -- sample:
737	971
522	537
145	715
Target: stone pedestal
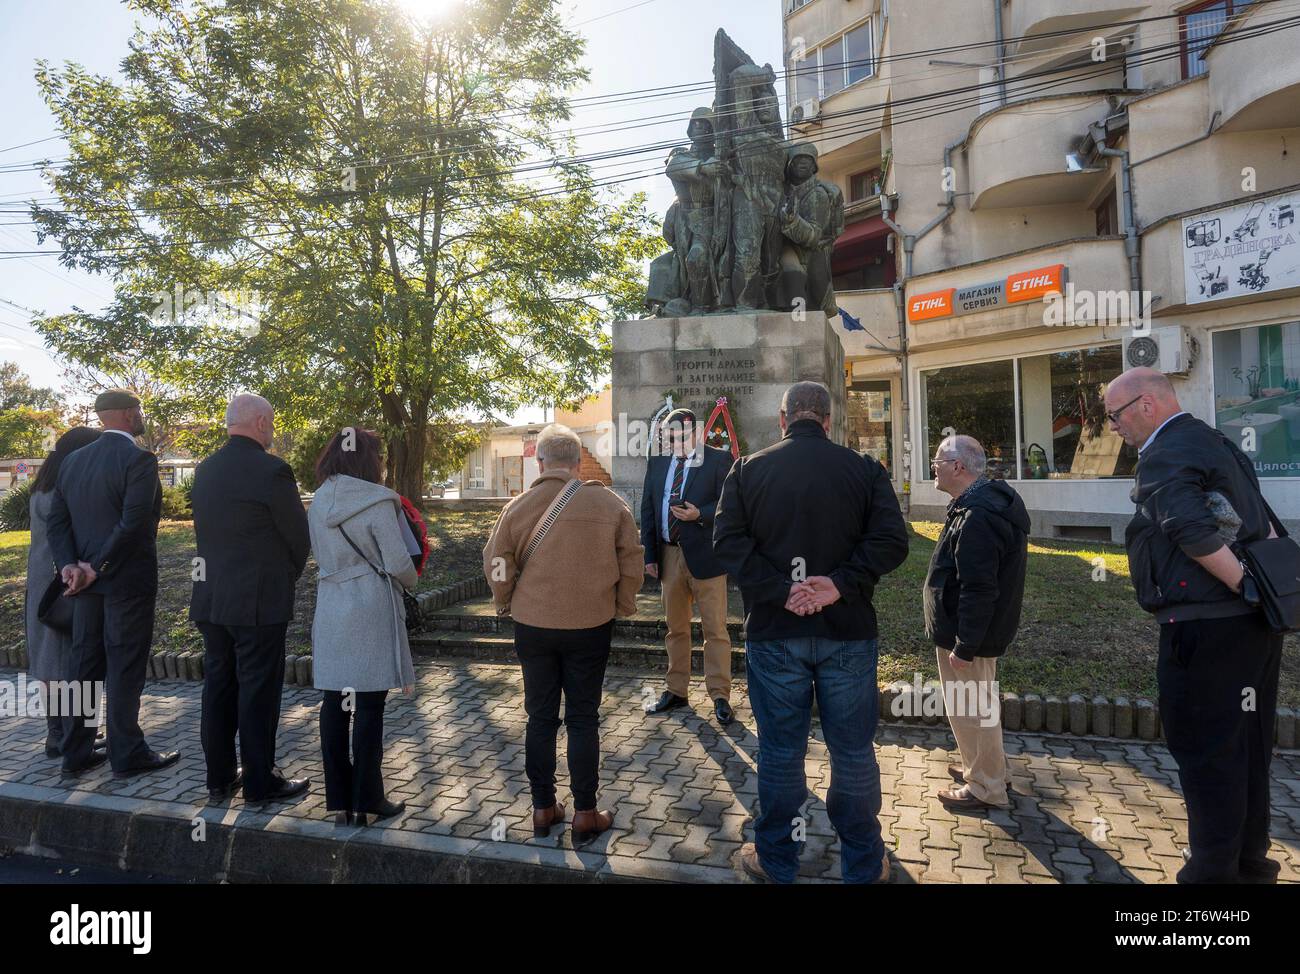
749	358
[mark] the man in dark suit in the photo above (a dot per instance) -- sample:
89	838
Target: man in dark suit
251	532
677	503
103	531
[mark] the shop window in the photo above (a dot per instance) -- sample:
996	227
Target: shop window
1063	434
976	400
1063	425
870	420
1257	394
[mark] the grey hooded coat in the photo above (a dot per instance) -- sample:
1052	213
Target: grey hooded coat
359	631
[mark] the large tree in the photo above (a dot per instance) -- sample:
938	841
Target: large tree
356	193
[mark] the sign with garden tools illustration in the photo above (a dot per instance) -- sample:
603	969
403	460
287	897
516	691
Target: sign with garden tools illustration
1242	250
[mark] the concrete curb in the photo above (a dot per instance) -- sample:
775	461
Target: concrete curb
242	846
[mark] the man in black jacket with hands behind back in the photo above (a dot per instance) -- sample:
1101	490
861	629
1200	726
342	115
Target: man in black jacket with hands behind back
251	532
104	534
807	528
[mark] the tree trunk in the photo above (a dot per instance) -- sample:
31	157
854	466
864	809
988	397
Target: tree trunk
407	449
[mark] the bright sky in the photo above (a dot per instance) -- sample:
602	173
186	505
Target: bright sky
632	45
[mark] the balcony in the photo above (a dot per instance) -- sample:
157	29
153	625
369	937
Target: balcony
1033	21
1255	82
1017	153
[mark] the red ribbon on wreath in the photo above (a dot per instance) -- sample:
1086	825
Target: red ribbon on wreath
721	407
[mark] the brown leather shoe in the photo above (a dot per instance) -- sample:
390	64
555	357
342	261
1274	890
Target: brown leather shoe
544	818
958	773
955	801
589	824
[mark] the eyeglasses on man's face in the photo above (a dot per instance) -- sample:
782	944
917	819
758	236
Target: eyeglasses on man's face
1113	415
934	464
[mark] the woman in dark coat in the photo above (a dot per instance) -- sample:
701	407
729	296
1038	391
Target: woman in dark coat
49	650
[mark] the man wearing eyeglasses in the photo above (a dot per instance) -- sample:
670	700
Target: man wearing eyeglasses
972	596
677	507
1196	495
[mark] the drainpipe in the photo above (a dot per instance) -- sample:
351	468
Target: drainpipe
900	303
1131	246
1001	52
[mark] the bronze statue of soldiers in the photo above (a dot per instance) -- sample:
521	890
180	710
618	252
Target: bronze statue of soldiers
697	238
811	218
758	173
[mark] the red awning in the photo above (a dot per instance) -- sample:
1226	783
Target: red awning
862	231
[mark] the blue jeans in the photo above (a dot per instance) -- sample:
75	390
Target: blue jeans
782	675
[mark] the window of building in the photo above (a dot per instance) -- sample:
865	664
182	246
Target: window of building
806	78
834	66
1063	424
1059	401
976	400
859	54
1199	25
1108	216
871	420
864	185
1257	394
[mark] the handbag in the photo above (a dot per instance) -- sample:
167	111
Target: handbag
54	610
540	530
1272	571
409	602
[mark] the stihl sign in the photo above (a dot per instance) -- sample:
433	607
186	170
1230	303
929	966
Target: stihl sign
1031	285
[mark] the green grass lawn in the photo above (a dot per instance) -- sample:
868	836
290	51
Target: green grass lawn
1080	629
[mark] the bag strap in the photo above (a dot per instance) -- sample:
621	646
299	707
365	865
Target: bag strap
360	554
1244	462
547	521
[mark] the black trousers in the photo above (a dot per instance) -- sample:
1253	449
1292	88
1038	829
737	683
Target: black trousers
243	677
1218	701
111	635
572	662
356	783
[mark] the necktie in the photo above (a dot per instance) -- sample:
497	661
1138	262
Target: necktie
674	525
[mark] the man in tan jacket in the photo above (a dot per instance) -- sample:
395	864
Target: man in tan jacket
585	572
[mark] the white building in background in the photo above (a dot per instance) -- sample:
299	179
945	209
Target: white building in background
1113	148
505	463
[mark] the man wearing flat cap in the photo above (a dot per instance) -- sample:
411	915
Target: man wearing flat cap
103	531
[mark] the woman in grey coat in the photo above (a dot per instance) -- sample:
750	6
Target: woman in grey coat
49	650
359	645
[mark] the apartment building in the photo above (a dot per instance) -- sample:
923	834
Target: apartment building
1017	175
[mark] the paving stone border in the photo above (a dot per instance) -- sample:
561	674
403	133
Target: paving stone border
243	846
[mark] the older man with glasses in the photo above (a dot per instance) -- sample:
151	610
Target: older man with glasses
972	595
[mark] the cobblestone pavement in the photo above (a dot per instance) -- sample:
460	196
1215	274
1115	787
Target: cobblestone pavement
1085	809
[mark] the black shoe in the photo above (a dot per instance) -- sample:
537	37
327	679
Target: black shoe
722	710
386	810
53	751
668	701
96	759
221	794
101	745
284	790
342	820
156	761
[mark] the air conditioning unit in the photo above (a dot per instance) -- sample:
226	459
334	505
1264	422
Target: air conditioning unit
806	111
1168	349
